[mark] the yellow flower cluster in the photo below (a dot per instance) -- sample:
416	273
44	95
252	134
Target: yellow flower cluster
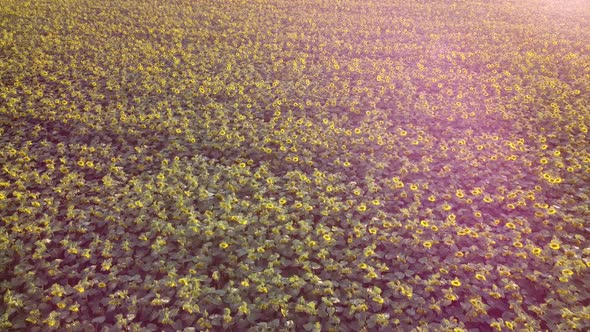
296	165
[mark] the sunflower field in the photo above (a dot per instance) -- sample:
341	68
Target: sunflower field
294	165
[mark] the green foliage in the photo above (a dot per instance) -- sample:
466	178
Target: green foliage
364	166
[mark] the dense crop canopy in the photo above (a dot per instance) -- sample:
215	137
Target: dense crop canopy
294	165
